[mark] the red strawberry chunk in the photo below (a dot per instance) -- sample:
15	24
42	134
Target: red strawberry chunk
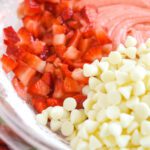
39	88
24	73
25	36
71	53
60	49
58	29
102	36
67	14
59	39
93	53
75	39
20	88
34	62
71	85
89	13
54	102
38	47
8	64
39	104
65	70
32	7
11	35
84	44
47	78
58	89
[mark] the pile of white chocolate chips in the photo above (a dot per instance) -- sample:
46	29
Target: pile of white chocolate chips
116	113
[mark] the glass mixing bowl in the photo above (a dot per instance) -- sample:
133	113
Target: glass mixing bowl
19	117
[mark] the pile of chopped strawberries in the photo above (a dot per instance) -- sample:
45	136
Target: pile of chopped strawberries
48	52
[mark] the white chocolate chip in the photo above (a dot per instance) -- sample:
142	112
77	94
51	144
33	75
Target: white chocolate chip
141	111
126	120
77	116
69	104
103	66
114	97
135	139
121	77
131	52
93	82
130	41
85	90
139	88
90	70
123	140
113	112
94	143
115	129
90	125
41	119
145	142
55	125
145	127
108	76
57	112
126	91
115	58
82	145
67	128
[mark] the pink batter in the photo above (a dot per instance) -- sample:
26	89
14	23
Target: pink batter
119	17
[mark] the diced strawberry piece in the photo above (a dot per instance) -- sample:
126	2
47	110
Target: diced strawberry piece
89	13
59	39
32	7
60	50
67	14
65	70
46	19
84	44
46	77
51	58
12	51
54	102
39	104
47	38
93	53
20	88
75	39
58	89
58	29
39	88
77	75
54	1
49	68
33	26
88	32
70	85
46	53
106	49
25	36
102	36
74	24
71	53
8	64
38	47
24	73
80	99
11	35
34	62
57	62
